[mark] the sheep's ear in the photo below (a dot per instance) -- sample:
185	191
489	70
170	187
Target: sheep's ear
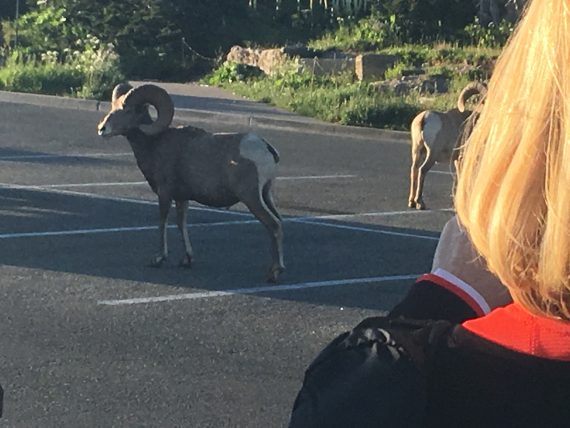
119	93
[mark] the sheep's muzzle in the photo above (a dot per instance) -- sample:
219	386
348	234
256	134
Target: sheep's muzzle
104	129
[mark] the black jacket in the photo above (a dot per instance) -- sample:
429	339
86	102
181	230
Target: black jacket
434	363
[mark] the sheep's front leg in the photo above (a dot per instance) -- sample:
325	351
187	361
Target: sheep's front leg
181	218
164	208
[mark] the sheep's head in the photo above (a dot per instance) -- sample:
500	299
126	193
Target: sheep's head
129	110
471	89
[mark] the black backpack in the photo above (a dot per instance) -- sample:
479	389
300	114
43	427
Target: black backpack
373	376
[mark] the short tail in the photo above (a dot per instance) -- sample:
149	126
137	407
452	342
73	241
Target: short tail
273	152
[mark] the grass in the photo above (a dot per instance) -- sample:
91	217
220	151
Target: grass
344	100
338	99
52	79
90	75
441	53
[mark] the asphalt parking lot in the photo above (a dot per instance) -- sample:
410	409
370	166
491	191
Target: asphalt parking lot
92	336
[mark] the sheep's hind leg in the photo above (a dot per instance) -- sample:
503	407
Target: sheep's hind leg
423	170
181	218
260	209
413	185
267	196
414	169
164	208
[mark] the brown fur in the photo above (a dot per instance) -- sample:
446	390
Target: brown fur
188	163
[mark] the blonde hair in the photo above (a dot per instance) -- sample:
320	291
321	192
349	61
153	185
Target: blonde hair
513	188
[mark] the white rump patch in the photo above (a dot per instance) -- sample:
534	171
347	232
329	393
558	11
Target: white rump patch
255	149
432	126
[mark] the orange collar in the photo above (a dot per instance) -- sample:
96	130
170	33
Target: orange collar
517	329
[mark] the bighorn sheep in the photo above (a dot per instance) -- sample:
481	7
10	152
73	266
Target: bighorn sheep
435	136
187	163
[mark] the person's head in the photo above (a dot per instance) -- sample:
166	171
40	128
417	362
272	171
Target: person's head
513	188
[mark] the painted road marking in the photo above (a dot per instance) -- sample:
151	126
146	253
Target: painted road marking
75	193
254	290
303	220
318	177
313	220
60	156
140	183
113	230
380	214
125	183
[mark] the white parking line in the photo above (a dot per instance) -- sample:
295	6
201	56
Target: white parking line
124	183
140	183
59	156
114	230
318	177
303	220
254	290
313	220
381	214
74	193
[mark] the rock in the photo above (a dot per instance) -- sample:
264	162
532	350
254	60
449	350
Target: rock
422	84
270	60
241	55
373	66
326	66
267	60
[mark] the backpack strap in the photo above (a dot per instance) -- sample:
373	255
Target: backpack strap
419	339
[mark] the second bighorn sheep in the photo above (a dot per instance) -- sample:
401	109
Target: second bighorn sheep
435	136
189	164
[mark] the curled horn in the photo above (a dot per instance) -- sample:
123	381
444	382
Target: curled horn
157	97
467	92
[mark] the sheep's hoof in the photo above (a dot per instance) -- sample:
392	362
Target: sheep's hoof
157	261
274	273
420	206
186	262
411	204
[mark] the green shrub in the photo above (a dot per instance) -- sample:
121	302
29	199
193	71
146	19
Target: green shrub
99	66
230	72
39	77
90	73
489	36
391	114
46	28
371	33
291	77
441	54
411	55
397	71
338	99
441	70
341	99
